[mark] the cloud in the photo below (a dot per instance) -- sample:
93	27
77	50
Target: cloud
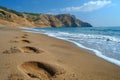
89	6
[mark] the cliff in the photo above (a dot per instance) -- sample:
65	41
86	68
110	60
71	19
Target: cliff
14	18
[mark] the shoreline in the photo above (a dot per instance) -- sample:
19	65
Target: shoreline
90	50
21	52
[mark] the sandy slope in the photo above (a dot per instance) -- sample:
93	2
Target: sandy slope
28	56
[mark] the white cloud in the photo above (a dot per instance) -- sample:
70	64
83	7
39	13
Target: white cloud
89	6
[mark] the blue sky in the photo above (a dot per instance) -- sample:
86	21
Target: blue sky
96	12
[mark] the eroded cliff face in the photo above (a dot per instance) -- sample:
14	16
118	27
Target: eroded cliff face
43	20
14	18
71	21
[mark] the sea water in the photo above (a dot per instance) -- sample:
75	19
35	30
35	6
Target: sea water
103	41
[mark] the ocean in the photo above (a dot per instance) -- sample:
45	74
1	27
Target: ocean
104	42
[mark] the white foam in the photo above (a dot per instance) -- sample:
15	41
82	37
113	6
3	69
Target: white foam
103	37
90	36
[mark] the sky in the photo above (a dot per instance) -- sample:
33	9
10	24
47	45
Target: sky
96	12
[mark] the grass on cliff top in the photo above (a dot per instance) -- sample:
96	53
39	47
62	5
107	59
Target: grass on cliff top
34	14
12	11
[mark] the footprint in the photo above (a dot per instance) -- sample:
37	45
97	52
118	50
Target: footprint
25	36
29	49
12	50
25	41
40	71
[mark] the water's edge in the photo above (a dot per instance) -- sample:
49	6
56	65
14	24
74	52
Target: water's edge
96	52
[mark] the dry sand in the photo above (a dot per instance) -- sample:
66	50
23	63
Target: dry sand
29	56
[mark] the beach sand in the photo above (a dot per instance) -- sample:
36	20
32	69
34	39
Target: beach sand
32	56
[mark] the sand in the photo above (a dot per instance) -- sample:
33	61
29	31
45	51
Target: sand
32	56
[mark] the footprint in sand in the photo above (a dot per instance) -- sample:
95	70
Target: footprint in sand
12	50
21	40
39	71
29	49
25	41
24	36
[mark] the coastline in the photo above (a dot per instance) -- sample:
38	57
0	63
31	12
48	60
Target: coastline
91	50
68	61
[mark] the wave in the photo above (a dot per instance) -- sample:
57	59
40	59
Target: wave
85	36
102	37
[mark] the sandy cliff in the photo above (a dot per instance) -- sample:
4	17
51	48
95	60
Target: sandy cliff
14	18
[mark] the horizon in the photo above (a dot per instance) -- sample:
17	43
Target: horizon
96	12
